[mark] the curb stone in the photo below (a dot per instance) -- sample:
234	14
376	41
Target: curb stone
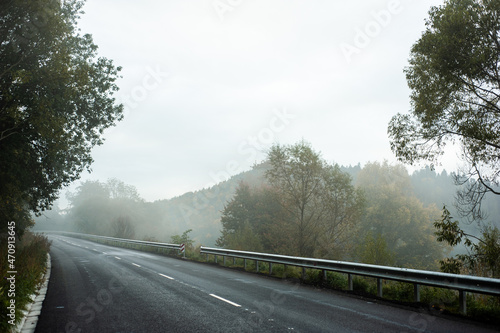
30	316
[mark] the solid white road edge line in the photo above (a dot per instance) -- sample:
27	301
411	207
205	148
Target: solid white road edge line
225	300
166	276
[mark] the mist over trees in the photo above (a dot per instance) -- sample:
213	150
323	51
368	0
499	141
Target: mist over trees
377	213
322	205
396	223
110	208
306	207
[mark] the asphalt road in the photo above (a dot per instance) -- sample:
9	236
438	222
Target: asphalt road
98	288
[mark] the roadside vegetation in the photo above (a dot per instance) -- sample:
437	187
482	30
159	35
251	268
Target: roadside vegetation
433	301
30	265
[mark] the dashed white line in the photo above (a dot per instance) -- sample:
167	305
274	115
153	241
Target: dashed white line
118	258
225	300
136	264
166	276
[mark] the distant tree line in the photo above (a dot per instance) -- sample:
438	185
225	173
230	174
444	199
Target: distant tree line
311	208
377	213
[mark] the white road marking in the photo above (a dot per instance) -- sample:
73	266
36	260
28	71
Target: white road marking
166	276
118	258
225	300
136	265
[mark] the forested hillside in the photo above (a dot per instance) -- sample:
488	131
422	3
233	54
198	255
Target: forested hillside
398	214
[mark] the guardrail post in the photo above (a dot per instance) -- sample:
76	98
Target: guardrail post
416	292
234	261
224	260
270	268
380	292
324	275
418	278
462	300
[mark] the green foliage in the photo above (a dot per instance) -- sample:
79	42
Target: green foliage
399	291
336	280
56	99
396	228
247	219
484	308
183	239
31	260
322	205
449	231
308	207
373	249
483	258
453	75
363	285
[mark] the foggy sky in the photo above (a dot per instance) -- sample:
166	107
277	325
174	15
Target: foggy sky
208	86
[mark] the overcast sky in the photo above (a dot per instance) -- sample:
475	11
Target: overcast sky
209	85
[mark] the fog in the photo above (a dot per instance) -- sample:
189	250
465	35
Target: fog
209	85
393	198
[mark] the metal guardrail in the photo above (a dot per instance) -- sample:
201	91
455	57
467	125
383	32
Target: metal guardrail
462	283
122	241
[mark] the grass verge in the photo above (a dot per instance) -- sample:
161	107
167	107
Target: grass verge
30	265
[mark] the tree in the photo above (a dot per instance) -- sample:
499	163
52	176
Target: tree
247	217
90	207
343	208
235	215
395	221
183	239
483	257
119	190
122	227
56	99
296	173
374	250
453	75
99	208
320	201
